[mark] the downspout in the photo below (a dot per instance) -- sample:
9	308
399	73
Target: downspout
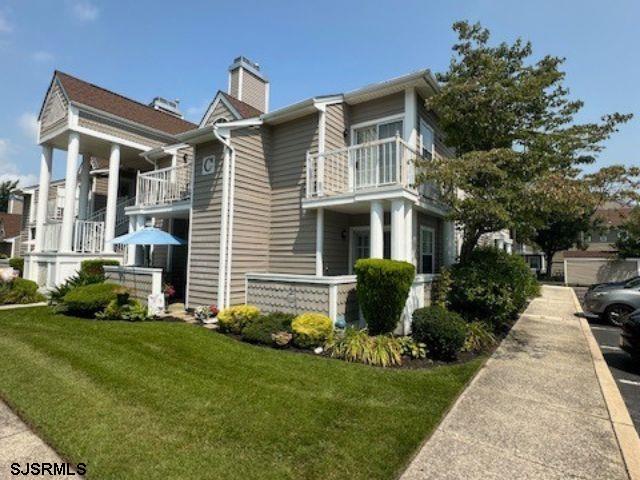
224	272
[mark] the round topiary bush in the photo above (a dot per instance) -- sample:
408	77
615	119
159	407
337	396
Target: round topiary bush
492	286
234	319
262	328
383	287
311	329
442	331
88	300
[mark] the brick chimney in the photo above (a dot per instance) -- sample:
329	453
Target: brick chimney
249	84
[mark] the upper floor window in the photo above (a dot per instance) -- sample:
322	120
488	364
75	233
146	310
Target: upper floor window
427	140
377	131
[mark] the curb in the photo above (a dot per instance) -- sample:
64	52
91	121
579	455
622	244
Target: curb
626	434
27	305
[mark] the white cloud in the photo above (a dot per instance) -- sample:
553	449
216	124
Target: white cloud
9	168
28	122
84	10
5	26
42	56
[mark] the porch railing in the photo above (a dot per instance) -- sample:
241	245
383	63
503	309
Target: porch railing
390	161
88	236
54	211
121	216
167	185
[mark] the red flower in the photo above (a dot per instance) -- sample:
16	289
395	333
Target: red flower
214	310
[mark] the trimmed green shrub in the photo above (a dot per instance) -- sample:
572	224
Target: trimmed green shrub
57	294
442	331
441	288
234	319
88	300
383	287
355	345
311	329
19	291
17	263
96	267
492	286
262	329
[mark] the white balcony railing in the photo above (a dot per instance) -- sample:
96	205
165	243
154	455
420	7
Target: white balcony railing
167	185
366	166
88	236
51	236
54	211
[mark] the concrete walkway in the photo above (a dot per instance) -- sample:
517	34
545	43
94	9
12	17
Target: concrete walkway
536	411
18	444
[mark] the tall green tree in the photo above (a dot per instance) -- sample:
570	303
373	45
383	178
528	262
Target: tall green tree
511	123
5	191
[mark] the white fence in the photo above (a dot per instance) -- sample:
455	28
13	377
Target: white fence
587	271
164	186
88	236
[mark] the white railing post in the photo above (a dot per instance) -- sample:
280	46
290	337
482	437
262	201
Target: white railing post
399	176
309	176
352	169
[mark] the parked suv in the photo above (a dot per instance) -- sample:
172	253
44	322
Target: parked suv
614	301
630	337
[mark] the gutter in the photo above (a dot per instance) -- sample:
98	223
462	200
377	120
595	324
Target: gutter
226	224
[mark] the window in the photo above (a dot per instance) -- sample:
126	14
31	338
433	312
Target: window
427	143
427	250
361	241
604	237
376	164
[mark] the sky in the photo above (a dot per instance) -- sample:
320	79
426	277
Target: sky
182	50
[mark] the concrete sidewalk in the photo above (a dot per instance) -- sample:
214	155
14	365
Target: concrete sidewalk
18	444
536	411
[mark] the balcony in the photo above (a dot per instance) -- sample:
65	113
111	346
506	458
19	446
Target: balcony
366	167
164	186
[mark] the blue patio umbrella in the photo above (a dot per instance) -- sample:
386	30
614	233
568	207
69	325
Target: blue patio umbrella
148	236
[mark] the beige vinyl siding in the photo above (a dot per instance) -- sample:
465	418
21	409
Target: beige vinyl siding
378	108
205	228
253	90
336	248
336	121
55	111
234	83
292	237
252	202
220	112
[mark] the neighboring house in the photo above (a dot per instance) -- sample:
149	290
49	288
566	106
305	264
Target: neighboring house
597	243
501	240
10	224
276	207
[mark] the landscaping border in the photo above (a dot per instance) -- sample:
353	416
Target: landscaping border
22	305
626	434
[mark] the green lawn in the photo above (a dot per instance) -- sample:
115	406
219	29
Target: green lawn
171	400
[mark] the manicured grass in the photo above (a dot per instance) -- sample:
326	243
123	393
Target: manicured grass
171	400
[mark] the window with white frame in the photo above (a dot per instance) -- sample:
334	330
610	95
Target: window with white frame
427	250
427	140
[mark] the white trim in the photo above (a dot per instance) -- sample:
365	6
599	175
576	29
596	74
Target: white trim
240	80
319	242
111	138
379	193
333	302
421	139
53	134
285	277
433	248
267	93
188	282
377	121
410	116
159	210
212	106
74	115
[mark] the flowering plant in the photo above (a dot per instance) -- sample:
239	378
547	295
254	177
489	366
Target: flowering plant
213	310
201	314
169	290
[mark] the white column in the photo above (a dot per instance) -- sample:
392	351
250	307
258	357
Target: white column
397	230
112	197
319	241
409	251
85	184
410	126
46	157
70	185
449	243
376	235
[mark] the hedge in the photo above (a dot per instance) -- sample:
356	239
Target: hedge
383	287
96	267
19	291
17	263
442	331
88	300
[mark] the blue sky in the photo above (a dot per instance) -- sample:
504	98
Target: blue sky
183	49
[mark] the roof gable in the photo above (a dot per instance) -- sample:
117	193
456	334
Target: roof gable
90	95
228	108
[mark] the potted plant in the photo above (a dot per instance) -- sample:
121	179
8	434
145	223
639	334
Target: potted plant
169	292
